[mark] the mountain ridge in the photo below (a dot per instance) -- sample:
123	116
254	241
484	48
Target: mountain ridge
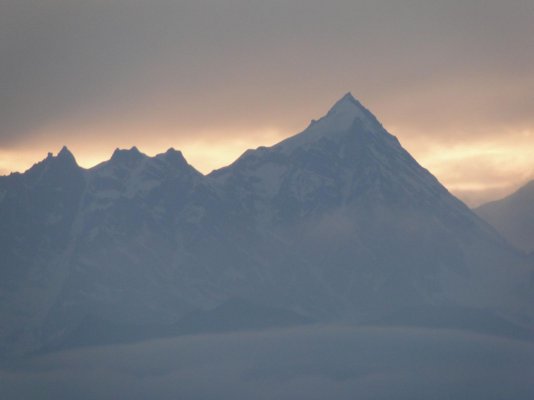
336	222
513	216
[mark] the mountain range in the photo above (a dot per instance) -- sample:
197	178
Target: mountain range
338	222
513	217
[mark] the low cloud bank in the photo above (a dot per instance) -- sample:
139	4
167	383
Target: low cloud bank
303	363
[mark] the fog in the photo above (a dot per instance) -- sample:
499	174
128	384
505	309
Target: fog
318	362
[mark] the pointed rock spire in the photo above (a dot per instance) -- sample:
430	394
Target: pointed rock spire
64	158
59	165
65	154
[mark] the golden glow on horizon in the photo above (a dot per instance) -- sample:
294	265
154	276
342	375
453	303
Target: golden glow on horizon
205	151
480	170
476	171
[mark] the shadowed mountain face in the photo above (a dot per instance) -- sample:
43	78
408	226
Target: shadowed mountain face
337	222
513	217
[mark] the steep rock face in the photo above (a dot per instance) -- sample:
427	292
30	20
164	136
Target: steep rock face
513	217
338	221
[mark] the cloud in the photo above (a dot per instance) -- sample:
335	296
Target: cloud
304	363
177	73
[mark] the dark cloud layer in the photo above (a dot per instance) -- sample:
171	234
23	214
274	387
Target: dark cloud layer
305	363
130	70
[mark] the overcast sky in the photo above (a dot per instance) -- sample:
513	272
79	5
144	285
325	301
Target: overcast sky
452	79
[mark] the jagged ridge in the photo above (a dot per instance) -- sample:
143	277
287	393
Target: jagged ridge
338	221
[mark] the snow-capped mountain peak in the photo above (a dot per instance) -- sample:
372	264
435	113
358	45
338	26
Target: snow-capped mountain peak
346	110
347	115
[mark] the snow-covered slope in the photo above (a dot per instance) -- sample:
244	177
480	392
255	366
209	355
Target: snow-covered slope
341	158
336	222
371	226
513	217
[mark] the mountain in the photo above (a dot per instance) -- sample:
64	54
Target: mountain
373	227
338	222
513	217
37	212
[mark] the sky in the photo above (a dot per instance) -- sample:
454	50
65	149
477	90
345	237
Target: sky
452	79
